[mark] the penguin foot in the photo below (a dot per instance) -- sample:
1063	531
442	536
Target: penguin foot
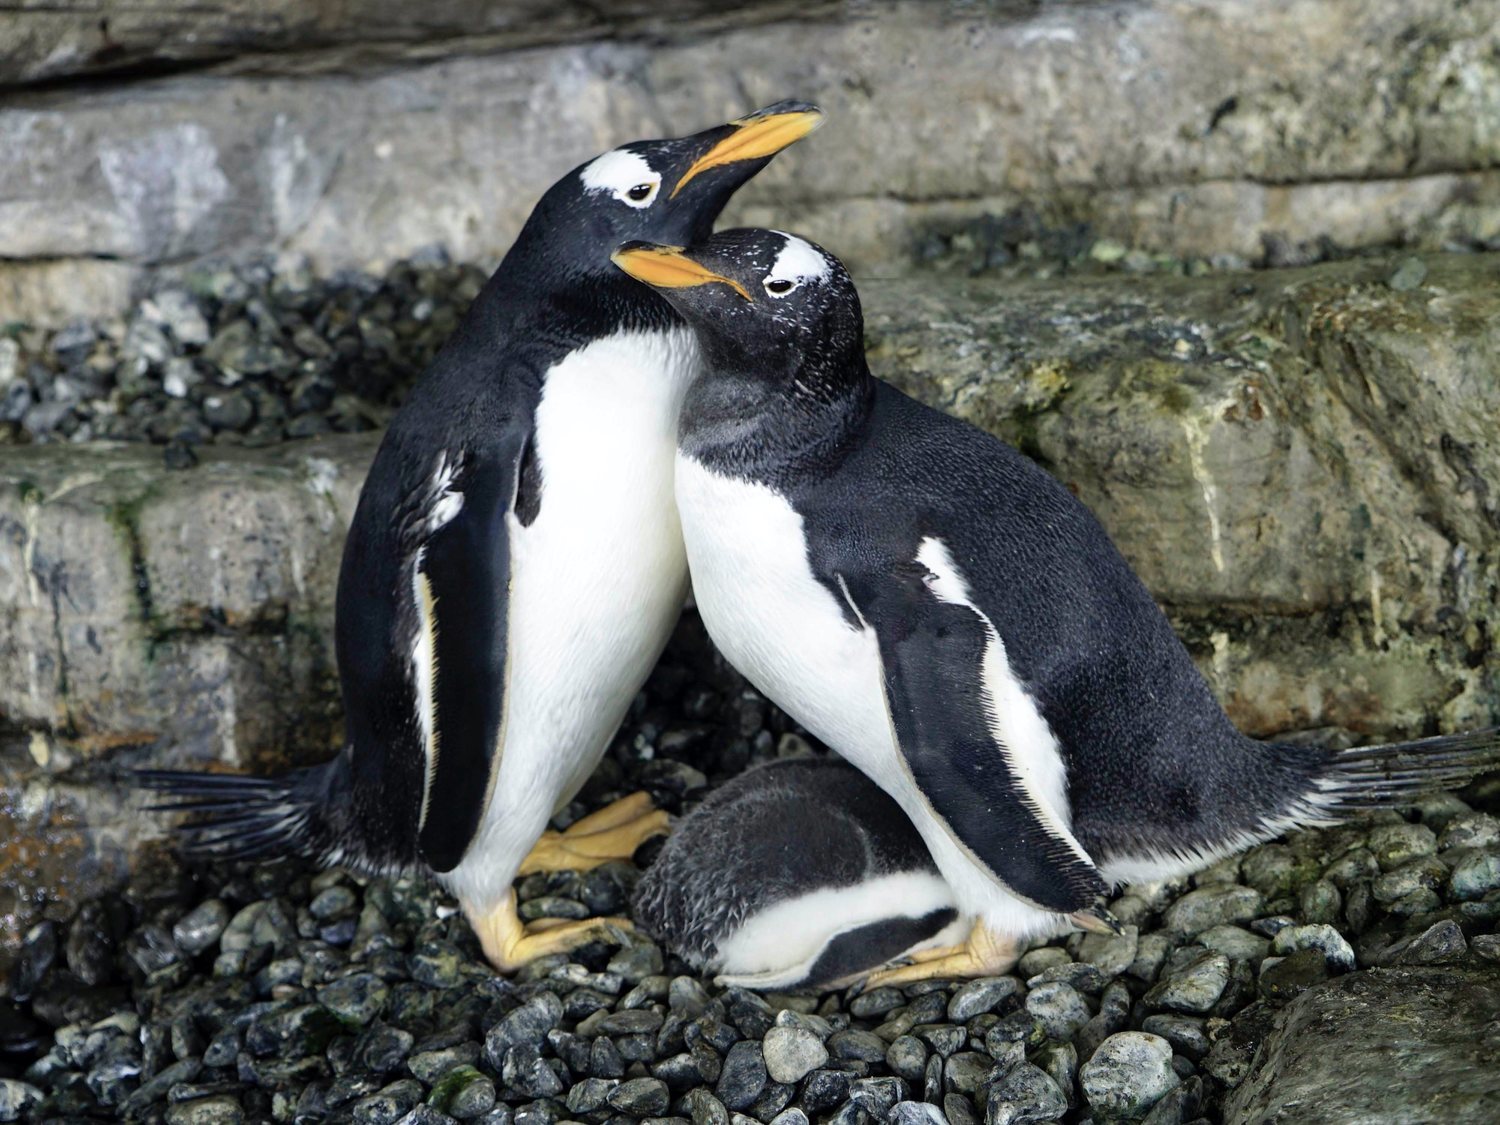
983	954
509	943
1096	920
614	832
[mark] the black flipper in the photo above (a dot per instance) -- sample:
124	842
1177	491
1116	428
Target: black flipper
463	585
932	652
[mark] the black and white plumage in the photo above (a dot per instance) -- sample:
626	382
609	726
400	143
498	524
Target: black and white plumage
948	617
797	873
514	565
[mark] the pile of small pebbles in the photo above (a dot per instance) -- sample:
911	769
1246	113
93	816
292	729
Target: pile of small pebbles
251	355
274	993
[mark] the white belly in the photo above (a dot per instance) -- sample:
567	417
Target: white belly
787	634
597	583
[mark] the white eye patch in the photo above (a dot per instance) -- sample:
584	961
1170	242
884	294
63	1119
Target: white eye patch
797	263
624	175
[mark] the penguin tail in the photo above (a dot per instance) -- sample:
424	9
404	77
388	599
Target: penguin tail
1377	777
303	813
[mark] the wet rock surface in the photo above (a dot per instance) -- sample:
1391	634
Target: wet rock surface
1240	146
1332	1053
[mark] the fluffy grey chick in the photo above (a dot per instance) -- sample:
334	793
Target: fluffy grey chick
798	873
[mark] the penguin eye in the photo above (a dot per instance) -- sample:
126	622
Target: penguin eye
639	195
779	286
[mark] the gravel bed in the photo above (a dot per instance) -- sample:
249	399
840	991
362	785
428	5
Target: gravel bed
263	351
277	993
251	355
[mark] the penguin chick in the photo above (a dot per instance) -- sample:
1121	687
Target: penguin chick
798	873
514	565
951	619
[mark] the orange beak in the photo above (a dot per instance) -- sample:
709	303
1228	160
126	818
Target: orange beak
667	267
754	138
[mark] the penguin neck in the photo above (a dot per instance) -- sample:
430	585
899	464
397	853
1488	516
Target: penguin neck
772	428
544	302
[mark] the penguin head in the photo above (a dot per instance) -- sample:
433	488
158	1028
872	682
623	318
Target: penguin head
668	191
768	307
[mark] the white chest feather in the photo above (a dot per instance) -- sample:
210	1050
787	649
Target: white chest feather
782	628
597	580
774	621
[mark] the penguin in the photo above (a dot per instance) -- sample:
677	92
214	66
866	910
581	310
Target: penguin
940	611
514	565
797	874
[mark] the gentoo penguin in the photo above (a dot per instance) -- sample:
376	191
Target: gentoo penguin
949	618
799	873
514	565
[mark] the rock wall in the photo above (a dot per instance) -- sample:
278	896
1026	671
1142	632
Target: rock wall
1262	131
1298	463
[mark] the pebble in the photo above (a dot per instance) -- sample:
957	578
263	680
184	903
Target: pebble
1130	1072
907	1057
1037	961
1059	1009
1276	869
1196	987
1471	830
526	1025
1111	954
463	1092
220	1110
1324	938
1486	946
1025	1093
1475	875
859	1045
1396	844
201	927
903	1113
1185	1033
640	1097
1408	275
1415	881
744	1076
1321	902
792	1053
356	999
1441	943
1212	906
1235	943
976	997
16	1098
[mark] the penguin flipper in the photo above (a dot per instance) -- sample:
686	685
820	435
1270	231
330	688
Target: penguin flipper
943	714
463	595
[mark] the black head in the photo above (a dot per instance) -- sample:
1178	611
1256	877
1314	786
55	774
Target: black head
659	191
779	324
764	303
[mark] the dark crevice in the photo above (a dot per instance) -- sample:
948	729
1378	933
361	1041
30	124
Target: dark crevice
123	519
314	57
55	584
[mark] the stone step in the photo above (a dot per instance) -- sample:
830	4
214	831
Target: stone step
1170	125
1296	462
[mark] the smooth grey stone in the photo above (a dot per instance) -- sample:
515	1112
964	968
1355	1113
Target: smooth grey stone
1329	1054
1128	1074
792	1053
